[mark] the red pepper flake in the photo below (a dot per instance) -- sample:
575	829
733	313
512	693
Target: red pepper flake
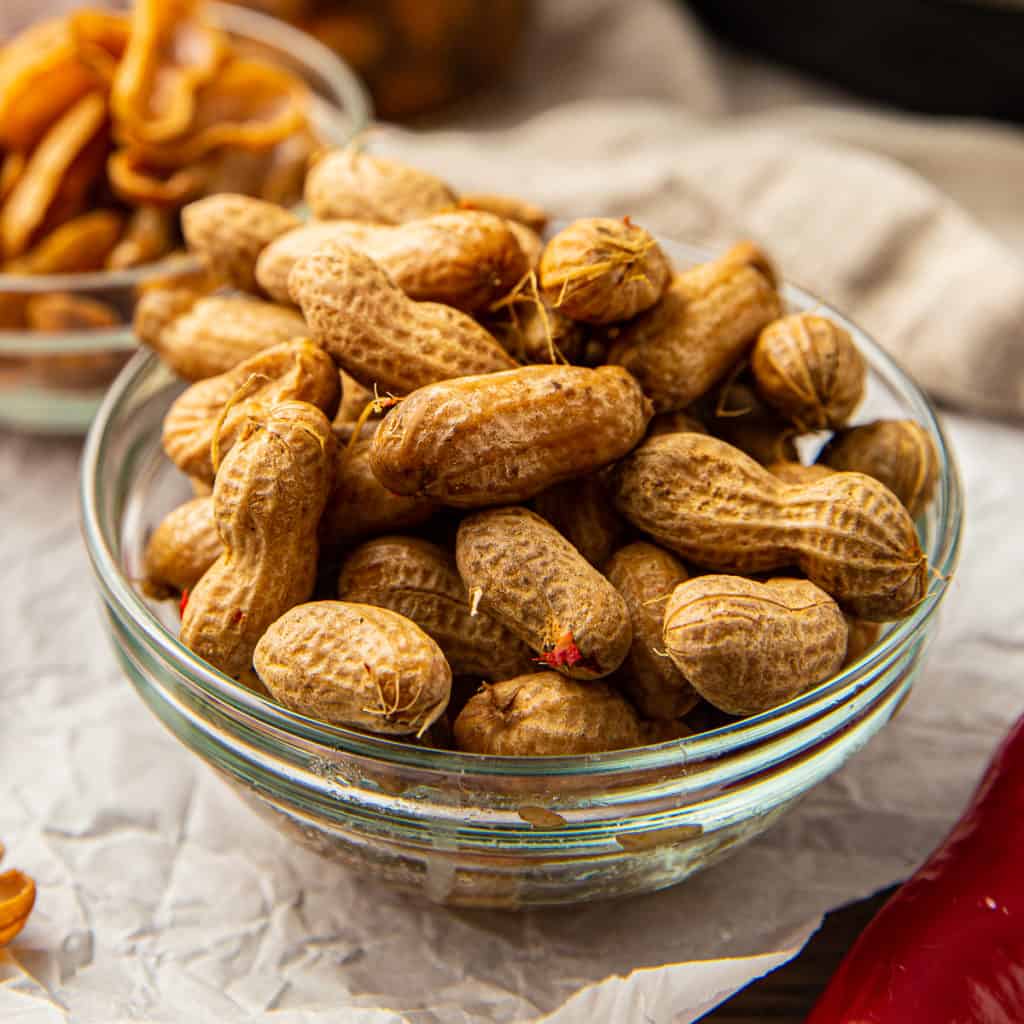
565	653
237	615
183	603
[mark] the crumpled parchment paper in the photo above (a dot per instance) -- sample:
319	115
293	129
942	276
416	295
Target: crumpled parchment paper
162	898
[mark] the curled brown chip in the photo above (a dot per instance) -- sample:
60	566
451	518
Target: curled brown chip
41	76
148	236
99	39
11	170
51	162
172	51
250	104
80	244
135	181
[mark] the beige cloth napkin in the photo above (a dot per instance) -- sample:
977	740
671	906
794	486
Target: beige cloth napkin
912	226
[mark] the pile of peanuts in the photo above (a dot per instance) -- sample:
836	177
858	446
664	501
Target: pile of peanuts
463	486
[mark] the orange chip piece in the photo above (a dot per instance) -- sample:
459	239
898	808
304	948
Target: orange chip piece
148	236
37	188
249	105
172	50
100	39
135	181
55	312
80	244
11	170
17	897
40	78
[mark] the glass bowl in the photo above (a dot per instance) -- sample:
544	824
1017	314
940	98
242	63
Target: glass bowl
467	829
53	382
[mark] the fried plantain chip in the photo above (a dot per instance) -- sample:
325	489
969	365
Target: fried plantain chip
172	52
50	163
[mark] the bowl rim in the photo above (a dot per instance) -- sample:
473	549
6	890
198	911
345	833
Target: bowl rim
235	699
351	99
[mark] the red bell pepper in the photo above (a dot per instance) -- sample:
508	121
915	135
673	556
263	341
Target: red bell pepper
948	946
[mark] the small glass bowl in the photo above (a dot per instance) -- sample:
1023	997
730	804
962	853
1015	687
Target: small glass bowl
52	383
489	831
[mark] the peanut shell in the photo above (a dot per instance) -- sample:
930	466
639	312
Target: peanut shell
601	270
521	570
546	715
747	647
703	325
581	511
506	437
809	370
355	665
465	260
718	508
221	408
182	548
203	336
352	185
379	335
645	576
228	231
268	498
899	453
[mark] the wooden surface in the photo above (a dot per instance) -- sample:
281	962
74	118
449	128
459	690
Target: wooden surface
786	996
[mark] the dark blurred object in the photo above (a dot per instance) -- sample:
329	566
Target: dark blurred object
936	56
415	55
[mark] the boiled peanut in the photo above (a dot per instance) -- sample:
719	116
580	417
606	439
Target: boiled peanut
419	580
506	437
809	370
220	408
702	326
462	259
645	576
601	270
522	211
268	497
203	336
182	548
353	185
717	507
360	506
900	453
521	570
356	665
545	714
747	647
581	511
228	231
379	335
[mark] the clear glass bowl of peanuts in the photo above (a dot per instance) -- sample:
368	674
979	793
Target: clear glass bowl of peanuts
73	272
502	831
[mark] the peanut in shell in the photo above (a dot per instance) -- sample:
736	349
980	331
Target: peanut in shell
747	647
505	437
378	334
356	665
524	573
718	508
